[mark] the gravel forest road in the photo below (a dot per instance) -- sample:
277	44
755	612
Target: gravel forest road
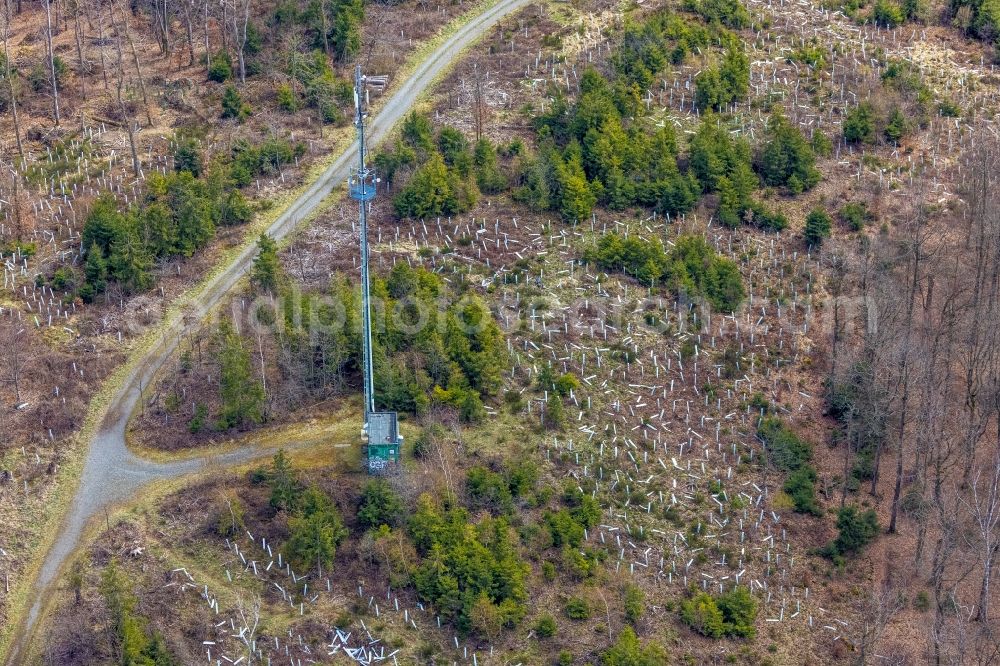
112	473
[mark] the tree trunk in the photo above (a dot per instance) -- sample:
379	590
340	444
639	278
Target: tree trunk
129	122
983	612
52	61
897	488
240	19
81	63
241	43
848	449
14	361
164	20
10	90
18	216
189	25
987	515
208	48
326	29
100	50
907	338
138	69
225	22
479	104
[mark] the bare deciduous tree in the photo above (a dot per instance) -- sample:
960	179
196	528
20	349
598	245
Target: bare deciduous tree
208	46
17	206
240	16
874	614
984	508
50	54
189	10
249	612
8	77
12	356
82	66
127	119
917	237
138	69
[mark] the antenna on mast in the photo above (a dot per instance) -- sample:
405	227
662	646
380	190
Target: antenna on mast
380	431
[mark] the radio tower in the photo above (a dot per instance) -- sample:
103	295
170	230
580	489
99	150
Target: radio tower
380	432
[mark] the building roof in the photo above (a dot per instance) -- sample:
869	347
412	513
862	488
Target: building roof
382	428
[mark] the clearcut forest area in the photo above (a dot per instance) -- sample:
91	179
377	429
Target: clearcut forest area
688	310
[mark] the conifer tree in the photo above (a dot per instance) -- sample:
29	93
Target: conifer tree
428	193
242	394
788	159
315	531
95	271
284	483
489	177
897	127
266	267
130	263
859	125
817	226
577	199
555	415
233	105
627	651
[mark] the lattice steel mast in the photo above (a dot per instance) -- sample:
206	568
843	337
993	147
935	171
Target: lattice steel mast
363	190
381	429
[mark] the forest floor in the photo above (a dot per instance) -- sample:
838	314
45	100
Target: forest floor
516	77
49	468
781	275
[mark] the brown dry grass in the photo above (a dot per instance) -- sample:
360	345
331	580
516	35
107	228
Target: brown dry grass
329	247
77	360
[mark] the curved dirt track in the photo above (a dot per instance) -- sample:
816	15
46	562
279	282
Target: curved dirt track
112	473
